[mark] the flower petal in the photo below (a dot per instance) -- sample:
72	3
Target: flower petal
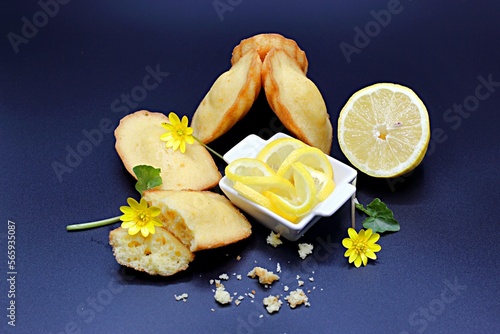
353	256
368	233
348	252
352	233
167	126
174	119
189	139
374	248
364	259
154	211
357	262
374	238
128	217
133	204
370	254
184	121
127	224
347	243
144	231
134	230
183	146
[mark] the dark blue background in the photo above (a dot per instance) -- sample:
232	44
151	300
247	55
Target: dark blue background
64	81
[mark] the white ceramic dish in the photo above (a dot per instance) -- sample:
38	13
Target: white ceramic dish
344	189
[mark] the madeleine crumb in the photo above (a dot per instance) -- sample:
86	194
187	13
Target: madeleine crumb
182	297
222	296
265	276
305	249
296	298
274	240
272	303
224	276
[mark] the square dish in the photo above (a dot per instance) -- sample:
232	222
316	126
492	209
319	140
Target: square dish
249	147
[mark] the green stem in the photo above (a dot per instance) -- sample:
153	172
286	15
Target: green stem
208	148
98	223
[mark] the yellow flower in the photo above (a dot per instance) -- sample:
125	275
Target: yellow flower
178	132
138	217
361	247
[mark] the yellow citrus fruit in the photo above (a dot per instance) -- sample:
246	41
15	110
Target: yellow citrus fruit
276	151
384	130
324	185
257	197
305	196
309	156
252	194
244	168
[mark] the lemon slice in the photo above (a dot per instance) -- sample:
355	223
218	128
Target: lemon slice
324	185
309	156
305	189
255	196
274	153
383	130
243	168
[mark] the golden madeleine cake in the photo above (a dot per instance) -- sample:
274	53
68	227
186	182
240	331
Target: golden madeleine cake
200	219
229	99
138	143
263	43
296	100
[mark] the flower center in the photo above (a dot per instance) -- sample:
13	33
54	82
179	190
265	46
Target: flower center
142	218
360	247
180	132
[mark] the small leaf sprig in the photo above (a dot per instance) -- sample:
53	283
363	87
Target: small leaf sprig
380	218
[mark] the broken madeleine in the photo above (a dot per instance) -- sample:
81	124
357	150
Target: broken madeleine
199	219
229	99
296	100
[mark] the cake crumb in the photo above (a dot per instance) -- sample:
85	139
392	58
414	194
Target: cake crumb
311	279
238	258
224	277
265	276
273	239
222	296
238	277
305	249
278	267
182	297
296	298
286	288
300	283
272	303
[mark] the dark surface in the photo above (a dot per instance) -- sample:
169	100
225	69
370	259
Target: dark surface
65	79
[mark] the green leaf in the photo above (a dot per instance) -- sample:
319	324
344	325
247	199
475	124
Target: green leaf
147	177
381	218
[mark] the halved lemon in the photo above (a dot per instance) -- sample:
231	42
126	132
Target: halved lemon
309	156
276	151
305	189
384	130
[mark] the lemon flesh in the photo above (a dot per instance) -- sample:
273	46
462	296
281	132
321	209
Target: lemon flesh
384	130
